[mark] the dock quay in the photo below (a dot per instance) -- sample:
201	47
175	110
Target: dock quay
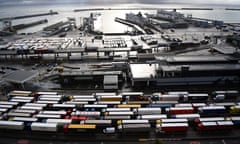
58	28
29	16
93	9
196	8
130	24
232	9
203	19
55	26
101	9
26	25
214	22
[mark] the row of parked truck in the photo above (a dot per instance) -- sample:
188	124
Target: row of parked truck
112	113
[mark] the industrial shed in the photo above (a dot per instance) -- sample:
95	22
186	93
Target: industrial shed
20	76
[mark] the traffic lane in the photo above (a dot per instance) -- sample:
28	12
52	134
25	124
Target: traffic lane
232	141
165	141
23	141
223	141
217	141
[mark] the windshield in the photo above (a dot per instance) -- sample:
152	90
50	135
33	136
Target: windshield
119	71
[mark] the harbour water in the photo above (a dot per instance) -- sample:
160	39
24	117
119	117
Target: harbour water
107	24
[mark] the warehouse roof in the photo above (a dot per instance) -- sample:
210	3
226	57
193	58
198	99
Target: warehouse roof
110	79
143	70
203	67
20	76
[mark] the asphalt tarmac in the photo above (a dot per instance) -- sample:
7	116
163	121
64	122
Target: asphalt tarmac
191	137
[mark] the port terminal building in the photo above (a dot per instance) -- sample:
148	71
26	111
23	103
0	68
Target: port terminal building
185	70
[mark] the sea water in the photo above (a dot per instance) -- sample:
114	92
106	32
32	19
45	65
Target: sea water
9	8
